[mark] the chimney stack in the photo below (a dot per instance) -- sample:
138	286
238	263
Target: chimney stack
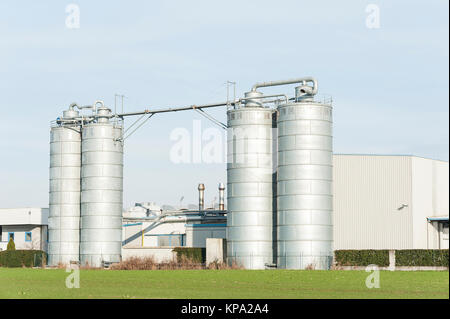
201	196
221	196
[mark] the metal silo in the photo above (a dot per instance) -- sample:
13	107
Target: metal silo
101	191
304	193
64	191
249	184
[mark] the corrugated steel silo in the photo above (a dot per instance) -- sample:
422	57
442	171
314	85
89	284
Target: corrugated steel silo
249	185
304	193
64	192
101	191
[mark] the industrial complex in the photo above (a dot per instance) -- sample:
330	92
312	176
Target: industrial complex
288	201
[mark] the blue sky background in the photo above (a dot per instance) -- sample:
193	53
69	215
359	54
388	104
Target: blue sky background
389	85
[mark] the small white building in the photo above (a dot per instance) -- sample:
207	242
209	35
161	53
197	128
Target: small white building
26	226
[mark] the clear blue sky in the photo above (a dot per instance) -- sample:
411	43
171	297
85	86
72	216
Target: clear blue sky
389	85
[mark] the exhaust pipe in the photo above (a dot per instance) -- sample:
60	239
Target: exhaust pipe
201	196
221	196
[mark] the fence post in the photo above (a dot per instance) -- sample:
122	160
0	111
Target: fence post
391	260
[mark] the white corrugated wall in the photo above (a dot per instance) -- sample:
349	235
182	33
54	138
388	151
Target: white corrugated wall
368	192
429	198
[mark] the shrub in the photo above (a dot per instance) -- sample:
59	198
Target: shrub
421	257
403	257
11	245
216	265
22	258
362	257
149	263
193	254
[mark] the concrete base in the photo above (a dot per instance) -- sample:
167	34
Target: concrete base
158	254
216	250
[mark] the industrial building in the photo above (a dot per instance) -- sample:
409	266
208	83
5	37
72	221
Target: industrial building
290	201
380	202
279	179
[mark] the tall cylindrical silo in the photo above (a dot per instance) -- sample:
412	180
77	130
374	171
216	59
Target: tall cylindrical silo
304	194
249	186
64	192
101	191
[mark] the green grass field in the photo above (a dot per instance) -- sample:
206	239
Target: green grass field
50	283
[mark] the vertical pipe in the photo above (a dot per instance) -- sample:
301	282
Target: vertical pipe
221	196
201	196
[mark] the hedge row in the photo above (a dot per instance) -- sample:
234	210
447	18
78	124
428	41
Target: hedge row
421	257
404	257
22	258
194	254
362	257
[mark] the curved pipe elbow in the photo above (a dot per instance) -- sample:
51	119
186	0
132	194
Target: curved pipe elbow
303	80
94	106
